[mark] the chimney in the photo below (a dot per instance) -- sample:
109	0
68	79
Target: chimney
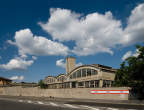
70	64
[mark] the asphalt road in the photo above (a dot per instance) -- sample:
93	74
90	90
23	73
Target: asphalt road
27	104
13	105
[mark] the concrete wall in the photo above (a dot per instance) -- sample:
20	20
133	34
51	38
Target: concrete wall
83	93
1	90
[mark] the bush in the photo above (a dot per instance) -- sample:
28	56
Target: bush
42	85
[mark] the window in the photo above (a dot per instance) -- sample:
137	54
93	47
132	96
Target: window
67	85
112	83
96	83
88	72
106	83
74	75
83	72
93	72
92	84
87	84
80	84
78	73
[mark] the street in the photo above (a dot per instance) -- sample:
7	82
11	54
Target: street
23	104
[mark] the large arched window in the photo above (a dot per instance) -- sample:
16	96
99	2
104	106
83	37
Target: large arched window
83	73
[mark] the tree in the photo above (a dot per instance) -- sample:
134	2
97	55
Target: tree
131	73
42	85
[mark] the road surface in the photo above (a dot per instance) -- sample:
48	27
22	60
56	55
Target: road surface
24	104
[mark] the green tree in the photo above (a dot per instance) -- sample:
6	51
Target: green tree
42	85
131	73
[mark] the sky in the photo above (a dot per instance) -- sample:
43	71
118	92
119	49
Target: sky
37	35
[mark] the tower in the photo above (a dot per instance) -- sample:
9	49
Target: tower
70	64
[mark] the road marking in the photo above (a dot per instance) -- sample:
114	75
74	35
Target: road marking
29	101
71	106
39	102
53	104
92	108
112	109
131	109
20	100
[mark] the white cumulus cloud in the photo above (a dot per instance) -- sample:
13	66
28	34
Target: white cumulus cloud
60	63
20	78
92	33
126	55
17	63
37	45
134	31
34	57
95	32
130	53
79	64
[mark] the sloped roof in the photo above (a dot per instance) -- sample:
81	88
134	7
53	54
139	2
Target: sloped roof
5	79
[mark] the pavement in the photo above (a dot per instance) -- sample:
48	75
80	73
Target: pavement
51	103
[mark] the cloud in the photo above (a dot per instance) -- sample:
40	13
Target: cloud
23	56
95	32
79	64
126	55
37	45
17	63
134	32
34	57
20	78
136	54
92	34
62	64
130	53
11	42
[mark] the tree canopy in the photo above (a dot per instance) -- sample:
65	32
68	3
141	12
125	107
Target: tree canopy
42	85
131	73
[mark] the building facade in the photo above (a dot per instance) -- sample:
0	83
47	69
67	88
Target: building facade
85	76
4	81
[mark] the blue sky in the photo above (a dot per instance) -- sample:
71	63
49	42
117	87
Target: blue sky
36	36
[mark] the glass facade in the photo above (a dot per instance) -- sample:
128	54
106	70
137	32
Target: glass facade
79	73
83	73
80	78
